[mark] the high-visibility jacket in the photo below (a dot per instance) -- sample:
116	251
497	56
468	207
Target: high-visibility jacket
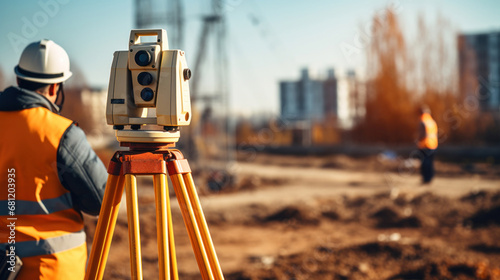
46	188
429	139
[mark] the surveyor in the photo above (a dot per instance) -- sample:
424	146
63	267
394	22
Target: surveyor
427	143
51	172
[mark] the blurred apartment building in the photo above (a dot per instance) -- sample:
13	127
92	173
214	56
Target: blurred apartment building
316	100
479	66
308	99
352	97
315	108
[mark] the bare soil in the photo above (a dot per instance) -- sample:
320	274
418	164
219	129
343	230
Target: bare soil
284	217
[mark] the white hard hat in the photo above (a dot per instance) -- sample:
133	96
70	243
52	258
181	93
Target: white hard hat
44	62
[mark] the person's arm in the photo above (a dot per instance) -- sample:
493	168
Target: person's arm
80	171
421	131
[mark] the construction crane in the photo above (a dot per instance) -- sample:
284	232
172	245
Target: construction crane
212	130
212	44
147	15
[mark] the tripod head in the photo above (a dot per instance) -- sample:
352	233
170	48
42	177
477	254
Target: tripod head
148	85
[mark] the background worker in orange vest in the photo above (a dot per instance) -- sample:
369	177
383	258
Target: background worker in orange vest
427	143
48	171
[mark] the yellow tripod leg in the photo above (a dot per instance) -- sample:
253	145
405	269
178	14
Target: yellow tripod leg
171	244
105	228
165	235
192	227
202	224
133	227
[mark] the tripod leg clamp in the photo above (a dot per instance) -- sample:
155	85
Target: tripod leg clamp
115	164
178	166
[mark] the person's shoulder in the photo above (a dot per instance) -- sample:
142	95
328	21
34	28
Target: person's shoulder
73	143
74	132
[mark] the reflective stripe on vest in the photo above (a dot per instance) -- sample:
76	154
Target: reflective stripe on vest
46	206
48	246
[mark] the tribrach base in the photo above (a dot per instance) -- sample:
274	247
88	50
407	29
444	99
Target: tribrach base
147	136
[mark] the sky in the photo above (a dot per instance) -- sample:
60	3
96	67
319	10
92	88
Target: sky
267	40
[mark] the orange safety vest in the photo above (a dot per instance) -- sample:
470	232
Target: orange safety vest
431	133
49	236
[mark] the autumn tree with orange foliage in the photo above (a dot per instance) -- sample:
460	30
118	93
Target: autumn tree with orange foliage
402	75
389	105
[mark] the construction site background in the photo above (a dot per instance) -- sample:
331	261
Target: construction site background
328	202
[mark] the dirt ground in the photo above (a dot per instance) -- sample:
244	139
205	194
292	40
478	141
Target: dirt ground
285	217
